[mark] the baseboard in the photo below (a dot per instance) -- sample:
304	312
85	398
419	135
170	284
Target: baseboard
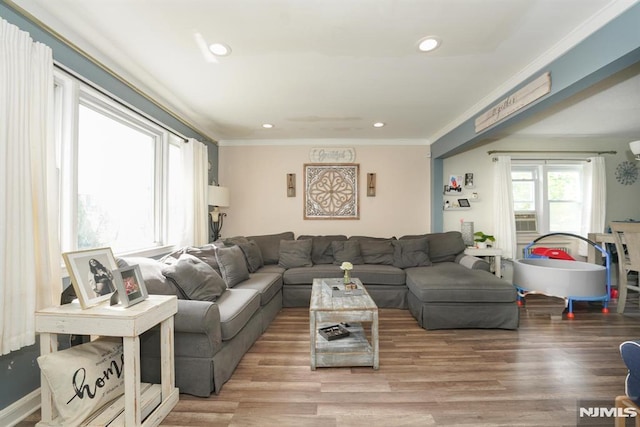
20	409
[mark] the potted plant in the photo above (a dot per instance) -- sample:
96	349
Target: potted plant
481	239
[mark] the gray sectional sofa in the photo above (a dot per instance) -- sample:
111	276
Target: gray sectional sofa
231	290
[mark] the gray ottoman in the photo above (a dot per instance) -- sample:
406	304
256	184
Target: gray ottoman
448	295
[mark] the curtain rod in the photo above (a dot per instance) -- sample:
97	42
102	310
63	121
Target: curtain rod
549	151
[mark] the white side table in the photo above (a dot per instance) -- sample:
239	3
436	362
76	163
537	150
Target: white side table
156	400
490	252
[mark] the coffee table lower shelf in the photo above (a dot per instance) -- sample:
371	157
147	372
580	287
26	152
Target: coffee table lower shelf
354	350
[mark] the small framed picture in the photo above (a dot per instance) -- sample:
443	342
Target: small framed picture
468	180
464	203
130	285
91	274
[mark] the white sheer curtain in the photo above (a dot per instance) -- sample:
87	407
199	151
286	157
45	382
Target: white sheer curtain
594	199
30	276
505	225
196	219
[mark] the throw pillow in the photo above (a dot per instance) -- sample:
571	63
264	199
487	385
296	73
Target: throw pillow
411	253
347	251
194	279
205	253
295	253
232	265
377	251
250	249
84	378
269	245
321	251
151	269
443	247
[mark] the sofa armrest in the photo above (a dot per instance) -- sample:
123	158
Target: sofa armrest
198	317
472	262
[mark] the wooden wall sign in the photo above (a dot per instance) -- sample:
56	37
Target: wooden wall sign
516	101
332	155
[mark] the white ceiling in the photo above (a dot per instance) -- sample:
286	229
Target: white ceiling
331	68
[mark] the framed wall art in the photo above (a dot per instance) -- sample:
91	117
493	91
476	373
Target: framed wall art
331	191
130	285
91	273
464	203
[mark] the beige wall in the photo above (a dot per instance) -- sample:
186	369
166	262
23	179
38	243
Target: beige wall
256	177
623	201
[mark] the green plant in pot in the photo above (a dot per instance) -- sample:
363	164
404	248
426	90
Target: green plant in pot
481	239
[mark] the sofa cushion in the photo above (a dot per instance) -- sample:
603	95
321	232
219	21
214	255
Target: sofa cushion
151	270
443	247
305	275
205	253
194	279
377	251
346	251
269	245
411	253
271	268
321	249
232	265
250	249
267	284
295	253
236	306
451	282
369	274
379	274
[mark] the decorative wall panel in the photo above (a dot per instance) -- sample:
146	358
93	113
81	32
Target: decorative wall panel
331	191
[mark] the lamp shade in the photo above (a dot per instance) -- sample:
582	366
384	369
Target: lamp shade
635	147
218	196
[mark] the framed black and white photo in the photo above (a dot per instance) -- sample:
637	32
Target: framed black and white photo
130	285
91	274
468	180
464	203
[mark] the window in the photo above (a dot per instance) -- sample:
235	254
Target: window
116	173
547	196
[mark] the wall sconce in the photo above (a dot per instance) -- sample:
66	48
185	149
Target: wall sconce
291	185
371	185
217	197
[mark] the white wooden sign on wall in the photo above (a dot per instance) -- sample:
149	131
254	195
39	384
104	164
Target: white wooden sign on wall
332	155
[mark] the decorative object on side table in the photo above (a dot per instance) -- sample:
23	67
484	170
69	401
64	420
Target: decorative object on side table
130	285
91	273
334	332
217	197
347	267
481	239
466	228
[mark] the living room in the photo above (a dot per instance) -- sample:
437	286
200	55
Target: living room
409	172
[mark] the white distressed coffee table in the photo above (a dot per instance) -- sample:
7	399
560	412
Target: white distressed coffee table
326	310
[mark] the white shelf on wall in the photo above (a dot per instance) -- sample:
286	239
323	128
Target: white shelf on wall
456	209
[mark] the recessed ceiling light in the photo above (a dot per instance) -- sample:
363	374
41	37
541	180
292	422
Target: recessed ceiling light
378	125
219	49
428	44
267	126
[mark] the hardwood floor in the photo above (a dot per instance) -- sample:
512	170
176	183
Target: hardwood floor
536	376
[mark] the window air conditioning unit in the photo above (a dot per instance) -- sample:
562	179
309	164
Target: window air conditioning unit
526	222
